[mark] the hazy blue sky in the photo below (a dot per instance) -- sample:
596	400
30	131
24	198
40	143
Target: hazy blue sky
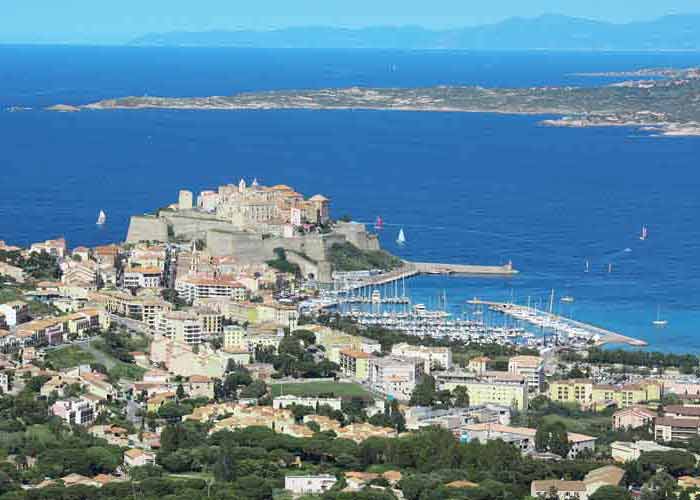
117	20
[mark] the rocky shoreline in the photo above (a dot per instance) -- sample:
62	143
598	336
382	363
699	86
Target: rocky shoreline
668	106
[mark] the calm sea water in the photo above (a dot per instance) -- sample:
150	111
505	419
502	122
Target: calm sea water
466	188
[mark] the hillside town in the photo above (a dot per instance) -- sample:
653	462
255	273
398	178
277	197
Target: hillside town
175	360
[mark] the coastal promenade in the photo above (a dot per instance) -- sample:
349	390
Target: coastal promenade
551	321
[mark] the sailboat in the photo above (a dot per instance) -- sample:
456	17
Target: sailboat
102	218
609	268
401	239
379	224
588	266
645	233
658	321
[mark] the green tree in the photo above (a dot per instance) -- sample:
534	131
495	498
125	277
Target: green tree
676	462
461	397
290	346
552	437
661	486
306	336
424	393
180	392
398	421
256	389
611	493
225	467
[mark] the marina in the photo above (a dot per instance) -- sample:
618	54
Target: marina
439	324
381	299
565	328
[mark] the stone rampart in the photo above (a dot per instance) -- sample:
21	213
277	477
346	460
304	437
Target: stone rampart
147	228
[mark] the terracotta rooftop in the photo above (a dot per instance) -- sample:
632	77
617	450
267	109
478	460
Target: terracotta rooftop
688	423
356	354
685	411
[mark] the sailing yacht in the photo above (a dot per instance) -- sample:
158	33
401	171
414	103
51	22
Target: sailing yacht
102	218
645	233
401	239
588	266
658	321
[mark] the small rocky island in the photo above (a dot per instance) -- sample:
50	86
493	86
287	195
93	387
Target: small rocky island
666	101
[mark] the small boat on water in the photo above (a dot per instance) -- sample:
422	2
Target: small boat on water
102	218
401	239
588	267
658	321
645	233
567	299
379	223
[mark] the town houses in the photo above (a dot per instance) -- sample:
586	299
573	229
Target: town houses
181	359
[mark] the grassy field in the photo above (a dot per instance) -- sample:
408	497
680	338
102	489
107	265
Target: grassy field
591	425
69	357
344	390
12	292
87	354
127	370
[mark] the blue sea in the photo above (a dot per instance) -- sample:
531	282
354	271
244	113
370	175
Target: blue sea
466	188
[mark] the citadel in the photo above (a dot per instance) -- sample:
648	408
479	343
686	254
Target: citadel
250	221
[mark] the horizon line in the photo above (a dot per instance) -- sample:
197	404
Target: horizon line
127	39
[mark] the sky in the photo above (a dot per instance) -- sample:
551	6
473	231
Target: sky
116	21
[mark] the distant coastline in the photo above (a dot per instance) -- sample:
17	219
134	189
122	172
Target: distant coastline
680	32
665	105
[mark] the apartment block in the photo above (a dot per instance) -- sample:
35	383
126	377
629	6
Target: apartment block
530	367
590	395
143	277
192	288
355	364
436	358
395	376
499	388
78	411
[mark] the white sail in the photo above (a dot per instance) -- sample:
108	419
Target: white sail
645	233
401	239
102	218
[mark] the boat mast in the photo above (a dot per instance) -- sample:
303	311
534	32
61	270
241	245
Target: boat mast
551	302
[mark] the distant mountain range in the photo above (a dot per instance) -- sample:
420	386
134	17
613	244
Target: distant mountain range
548	32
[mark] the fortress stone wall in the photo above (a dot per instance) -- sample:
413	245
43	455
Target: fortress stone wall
222	239
147	228
247	247
191	225
357	235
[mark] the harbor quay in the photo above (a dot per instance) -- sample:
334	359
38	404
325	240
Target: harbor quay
412	269
559	324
